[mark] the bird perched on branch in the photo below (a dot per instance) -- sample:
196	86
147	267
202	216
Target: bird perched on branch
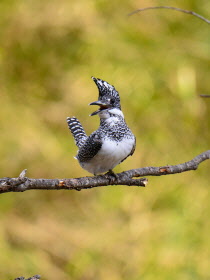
112	142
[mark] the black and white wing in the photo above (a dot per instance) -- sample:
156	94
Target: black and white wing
90	148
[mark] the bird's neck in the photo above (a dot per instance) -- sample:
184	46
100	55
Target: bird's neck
113	121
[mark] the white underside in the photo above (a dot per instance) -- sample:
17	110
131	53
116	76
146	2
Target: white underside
110	155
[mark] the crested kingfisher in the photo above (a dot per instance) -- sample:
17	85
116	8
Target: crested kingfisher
112	142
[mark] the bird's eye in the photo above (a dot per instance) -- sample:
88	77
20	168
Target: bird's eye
111	101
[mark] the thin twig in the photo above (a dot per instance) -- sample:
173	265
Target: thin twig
171	8
128	178
204	95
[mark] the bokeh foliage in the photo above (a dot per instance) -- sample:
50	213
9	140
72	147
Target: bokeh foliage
159	62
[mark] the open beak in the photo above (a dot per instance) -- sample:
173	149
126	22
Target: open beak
102	106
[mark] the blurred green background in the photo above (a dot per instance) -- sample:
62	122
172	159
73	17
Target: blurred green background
159	61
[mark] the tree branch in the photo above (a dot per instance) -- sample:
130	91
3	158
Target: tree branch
128	178
171	8
204	95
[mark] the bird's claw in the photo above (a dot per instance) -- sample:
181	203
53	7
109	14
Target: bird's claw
111	176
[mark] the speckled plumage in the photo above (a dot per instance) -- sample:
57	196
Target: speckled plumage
107	92
112	142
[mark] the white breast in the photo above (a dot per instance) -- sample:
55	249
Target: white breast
110	155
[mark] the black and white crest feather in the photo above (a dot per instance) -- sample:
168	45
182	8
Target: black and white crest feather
107	92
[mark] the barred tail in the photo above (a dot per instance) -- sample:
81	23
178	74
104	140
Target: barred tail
77	131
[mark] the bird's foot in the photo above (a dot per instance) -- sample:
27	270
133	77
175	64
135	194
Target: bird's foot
111	176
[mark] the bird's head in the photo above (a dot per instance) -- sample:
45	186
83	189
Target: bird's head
108	98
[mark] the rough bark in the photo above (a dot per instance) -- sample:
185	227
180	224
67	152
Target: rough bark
129	178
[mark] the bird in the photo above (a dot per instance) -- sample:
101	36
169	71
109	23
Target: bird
112	142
